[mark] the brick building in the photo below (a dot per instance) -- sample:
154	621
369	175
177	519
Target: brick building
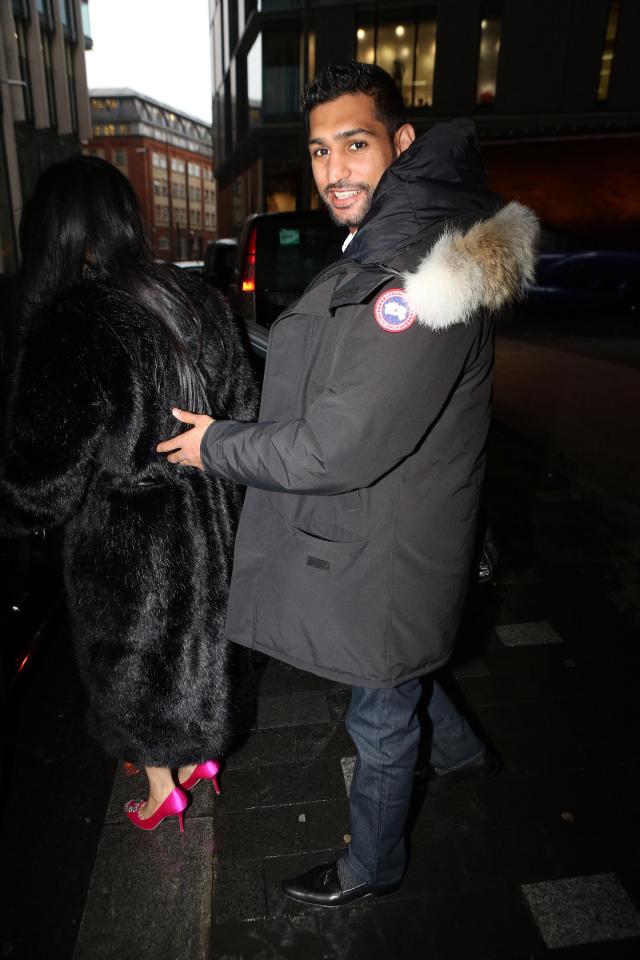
168	158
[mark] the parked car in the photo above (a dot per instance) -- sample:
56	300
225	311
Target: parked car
190	266
278	256
219	263
592	281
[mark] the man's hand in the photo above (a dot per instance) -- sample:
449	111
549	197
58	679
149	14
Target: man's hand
185	449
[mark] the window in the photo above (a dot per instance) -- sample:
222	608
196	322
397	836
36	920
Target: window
159	160
281	70
120	157
48	77
608	52
23	62
489	55
194	169
254	82
177	165
406	48
163	243
71	81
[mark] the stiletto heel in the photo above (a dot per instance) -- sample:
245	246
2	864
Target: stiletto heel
173	806
204	771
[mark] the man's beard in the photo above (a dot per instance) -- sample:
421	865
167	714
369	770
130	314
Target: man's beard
351	218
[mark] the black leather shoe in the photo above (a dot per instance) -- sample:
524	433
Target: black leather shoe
321	886
486	766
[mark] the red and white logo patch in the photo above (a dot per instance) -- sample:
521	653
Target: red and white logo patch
393	312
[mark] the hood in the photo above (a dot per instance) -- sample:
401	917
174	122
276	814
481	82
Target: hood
483	256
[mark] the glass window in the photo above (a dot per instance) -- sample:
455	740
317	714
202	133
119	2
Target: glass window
608	52
218	63
406	48
120	157
254	82
23	62
71	81
281	70
488	57
425	64
48	77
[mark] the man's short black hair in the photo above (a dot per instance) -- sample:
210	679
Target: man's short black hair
336	80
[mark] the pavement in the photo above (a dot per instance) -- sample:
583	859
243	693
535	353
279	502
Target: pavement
542	861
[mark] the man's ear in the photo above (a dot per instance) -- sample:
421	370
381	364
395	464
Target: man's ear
403	137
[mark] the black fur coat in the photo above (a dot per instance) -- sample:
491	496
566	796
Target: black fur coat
148	546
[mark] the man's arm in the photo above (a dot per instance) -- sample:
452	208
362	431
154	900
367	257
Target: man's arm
384	392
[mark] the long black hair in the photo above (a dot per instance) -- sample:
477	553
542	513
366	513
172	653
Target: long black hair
84	216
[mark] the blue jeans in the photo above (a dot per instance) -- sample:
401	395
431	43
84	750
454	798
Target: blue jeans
385	728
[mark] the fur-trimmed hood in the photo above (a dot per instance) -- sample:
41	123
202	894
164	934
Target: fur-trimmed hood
434	221
487	266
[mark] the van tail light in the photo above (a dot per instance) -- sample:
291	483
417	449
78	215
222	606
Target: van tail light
249	275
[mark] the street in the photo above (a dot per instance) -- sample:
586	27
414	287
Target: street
544	858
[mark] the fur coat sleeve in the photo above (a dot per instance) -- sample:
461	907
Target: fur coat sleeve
57	414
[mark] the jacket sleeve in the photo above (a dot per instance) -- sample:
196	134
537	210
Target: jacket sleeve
56	419
384	392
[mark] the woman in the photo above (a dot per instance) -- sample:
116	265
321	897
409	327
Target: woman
111	342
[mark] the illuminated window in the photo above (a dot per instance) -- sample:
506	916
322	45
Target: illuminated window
406	48
608	52
489	55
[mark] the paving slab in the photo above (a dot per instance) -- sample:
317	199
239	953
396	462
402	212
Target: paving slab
579	910
150	894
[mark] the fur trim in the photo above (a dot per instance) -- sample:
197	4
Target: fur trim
489	265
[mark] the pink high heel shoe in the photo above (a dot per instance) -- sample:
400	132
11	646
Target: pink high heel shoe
173	806
204	771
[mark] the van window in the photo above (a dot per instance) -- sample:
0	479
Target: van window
289	256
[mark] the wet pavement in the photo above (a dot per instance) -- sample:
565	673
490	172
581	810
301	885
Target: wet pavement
542	861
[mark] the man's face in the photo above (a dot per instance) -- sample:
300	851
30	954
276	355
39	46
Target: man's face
350	150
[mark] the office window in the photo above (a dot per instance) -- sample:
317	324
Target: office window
48	77
120	157
23	62
194	169
405	47
177	165
159	160
281	70
609	51
254	82
71	81
489	55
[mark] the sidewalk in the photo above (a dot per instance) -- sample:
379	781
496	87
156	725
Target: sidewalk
543	861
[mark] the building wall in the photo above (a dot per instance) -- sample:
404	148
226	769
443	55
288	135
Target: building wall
45	108
174	185
525	70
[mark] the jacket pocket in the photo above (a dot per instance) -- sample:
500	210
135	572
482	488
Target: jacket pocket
327	607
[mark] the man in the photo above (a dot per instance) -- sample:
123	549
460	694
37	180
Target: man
364	470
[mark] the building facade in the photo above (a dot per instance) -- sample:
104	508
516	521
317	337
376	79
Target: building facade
168	158
530	72
44	100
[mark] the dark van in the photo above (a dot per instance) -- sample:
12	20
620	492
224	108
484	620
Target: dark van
278	256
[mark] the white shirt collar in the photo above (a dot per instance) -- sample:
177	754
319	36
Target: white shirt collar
347	241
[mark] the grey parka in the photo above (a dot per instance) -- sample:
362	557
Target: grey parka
353	552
